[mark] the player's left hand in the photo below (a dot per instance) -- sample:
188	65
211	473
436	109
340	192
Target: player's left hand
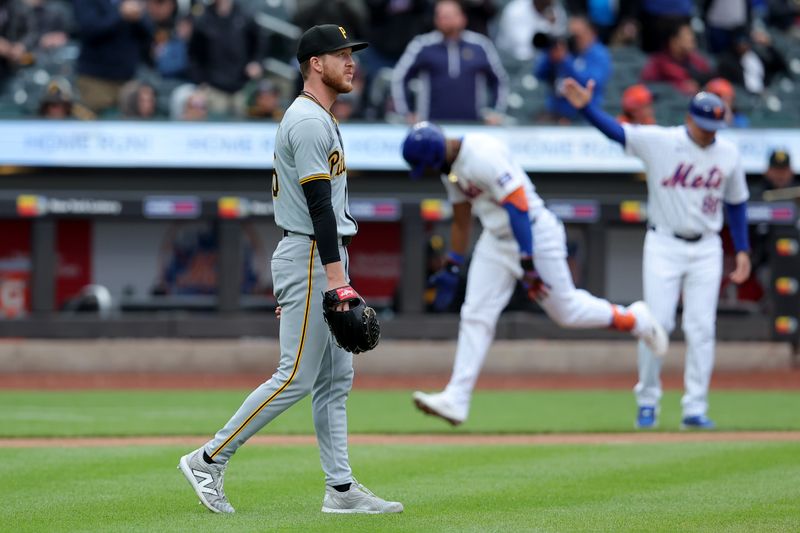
742	270
278	312
575	93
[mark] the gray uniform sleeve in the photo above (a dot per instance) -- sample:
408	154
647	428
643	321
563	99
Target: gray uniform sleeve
310	142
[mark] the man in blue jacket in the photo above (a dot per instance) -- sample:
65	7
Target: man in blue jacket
113	35
582	57
460	75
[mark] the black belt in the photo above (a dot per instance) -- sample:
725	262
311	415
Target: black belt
688	238
346	239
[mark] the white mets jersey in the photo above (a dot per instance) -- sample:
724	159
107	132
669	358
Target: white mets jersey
484	174
308	147
686	184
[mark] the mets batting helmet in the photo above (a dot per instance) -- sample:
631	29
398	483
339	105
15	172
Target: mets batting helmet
708	111
424	147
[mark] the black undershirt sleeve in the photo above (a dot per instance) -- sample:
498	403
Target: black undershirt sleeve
318	198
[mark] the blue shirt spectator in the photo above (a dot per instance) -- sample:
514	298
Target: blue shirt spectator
459	70
589	61
170	49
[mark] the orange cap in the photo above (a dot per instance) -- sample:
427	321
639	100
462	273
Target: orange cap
636	97
722	88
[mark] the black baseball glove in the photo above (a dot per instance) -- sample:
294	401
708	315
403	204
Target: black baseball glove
357	329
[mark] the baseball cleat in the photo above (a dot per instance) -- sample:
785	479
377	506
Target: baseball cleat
438	405
357	500
647	417
206	480
697	422
648	329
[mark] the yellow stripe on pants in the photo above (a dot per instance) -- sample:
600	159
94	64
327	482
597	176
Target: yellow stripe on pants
296	361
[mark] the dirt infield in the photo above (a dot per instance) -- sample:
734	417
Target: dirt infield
778	379
423	440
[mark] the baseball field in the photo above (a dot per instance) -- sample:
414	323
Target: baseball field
527	460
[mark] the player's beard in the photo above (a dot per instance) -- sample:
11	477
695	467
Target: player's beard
337	83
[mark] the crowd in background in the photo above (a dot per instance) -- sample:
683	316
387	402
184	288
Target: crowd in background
448	60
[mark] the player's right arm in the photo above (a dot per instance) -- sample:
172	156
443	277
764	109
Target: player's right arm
580	98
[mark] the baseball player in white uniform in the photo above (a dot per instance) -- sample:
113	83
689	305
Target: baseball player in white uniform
521	240
309	192
691	175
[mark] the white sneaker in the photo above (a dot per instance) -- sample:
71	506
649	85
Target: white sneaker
206	480
648	329
358	499
439	405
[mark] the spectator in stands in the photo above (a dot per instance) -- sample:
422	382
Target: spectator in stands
479	13
58	103
345	107
48	25
583	57
752	62
350	14
724	89
393	23
13	32
611	18
637	106
455	67
781	14
170	49
679	63
659	18
725	21
264	101
113	36
224	54
195	107
521	20
138	100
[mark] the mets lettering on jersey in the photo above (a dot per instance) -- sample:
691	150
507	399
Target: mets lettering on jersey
687	183
683	177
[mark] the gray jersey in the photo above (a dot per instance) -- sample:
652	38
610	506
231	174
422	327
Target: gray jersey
308	147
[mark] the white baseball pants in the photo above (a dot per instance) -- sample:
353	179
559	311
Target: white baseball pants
674	268
492	276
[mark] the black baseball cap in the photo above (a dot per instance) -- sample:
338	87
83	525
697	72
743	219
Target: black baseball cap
324	39
779	159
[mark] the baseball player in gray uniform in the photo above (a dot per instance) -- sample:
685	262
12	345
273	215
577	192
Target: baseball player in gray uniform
309	191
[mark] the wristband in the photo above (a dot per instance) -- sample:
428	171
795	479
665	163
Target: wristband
526	262
453	257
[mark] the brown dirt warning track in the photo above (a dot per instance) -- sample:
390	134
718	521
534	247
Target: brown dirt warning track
777	379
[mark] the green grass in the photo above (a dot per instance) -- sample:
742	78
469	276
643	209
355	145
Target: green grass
722	486
743	487
109	413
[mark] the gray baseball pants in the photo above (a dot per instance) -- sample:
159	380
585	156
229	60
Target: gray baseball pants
310	363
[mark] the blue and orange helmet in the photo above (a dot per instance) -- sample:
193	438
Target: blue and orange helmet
424	147
708	111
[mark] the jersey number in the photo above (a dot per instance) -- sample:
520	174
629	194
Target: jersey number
710	205
275	187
